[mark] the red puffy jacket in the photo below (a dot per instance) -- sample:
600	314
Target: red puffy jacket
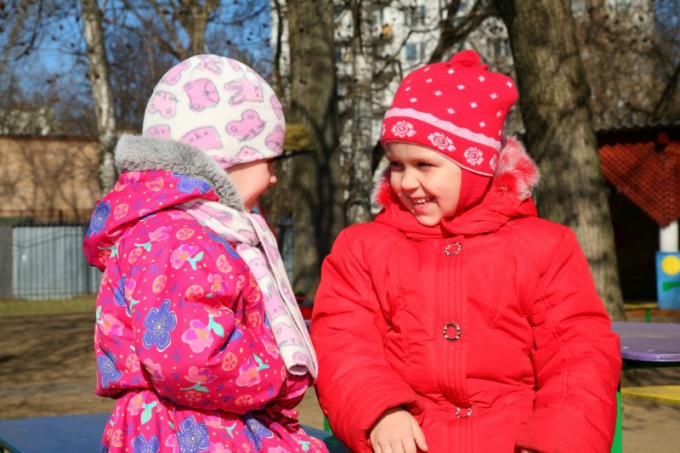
487	328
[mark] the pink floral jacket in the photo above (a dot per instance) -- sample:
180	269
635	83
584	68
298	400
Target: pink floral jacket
181	337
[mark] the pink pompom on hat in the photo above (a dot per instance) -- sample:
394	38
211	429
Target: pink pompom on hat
220	106
456	108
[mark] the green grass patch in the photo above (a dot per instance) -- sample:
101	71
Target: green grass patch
15	307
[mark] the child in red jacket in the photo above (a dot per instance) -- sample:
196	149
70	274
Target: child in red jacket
458	321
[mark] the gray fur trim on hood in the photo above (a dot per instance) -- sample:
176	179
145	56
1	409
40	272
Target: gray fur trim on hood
136	153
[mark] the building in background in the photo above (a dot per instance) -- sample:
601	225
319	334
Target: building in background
48	179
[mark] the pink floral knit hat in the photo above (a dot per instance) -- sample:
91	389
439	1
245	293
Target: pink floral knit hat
456	108
220	106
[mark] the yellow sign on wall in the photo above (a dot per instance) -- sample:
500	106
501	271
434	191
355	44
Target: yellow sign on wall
668	280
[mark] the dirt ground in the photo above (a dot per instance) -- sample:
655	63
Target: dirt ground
47	368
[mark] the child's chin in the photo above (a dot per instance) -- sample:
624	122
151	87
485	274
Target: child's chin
427	221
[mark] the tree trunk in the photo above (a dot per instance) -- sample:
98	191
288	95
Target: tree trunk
278	51
316	194
559	132
358	206
101	90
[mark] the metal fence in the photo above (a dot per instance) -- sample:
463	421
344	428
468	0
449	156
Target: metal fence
42	258
45	262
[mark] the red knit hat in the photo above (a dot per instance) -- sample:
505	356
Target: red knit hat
456	108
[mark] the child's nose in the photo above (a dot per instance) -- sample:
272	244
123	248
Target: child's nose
272	175
409	180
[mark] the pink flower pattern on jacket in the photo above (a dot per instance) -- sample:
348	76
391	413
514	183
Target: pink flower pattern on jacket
181	338
198	336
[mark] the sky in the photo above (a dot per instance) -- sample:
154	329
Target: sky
58	47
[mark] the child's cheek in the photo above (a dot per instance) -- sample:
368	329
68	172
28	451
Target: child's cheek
394	182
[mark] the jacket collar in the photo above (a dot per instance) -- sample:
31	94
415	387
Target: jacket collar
136	153
155	174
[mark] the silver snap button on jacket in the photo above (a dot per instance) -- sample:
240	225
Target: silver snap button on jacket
453	249
452	331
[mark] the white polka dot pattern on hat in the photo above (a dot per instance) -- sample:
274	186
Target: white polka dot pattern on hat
459	100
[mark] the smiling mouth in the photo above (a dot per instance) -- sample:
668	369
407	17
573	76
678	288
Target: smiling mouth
421	201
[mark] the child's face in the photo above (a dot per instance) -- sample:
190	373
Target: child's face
252	180
427	183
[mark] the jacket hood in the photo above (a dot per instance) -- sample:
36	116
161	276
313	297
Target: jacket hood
508	196
155	174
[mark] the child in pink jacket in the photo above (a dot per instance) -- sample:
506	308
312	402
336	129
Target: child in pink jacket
198	335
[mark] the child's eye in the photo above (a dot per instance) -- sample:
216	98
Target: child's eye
424	165
395	165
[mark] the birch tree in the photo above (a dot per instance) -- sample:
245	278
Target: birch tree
93	35
554	99
359	168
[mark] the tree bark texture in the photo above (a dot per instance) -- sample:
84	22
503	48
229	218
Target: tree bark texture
317	195
626	88
101	90
358	205
554	96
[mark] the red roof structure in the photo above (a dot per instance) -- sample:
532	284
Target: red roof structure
645	167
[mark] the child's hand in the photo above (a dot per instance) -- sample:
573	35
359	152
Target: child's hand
396	431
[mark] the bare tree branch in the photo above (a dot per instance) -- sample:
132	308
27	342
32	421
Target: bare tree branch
23	12
455	30
175	46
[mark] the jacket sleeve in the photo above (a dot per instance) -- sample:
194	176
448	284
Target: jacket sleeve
576	359
199	327
355	383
